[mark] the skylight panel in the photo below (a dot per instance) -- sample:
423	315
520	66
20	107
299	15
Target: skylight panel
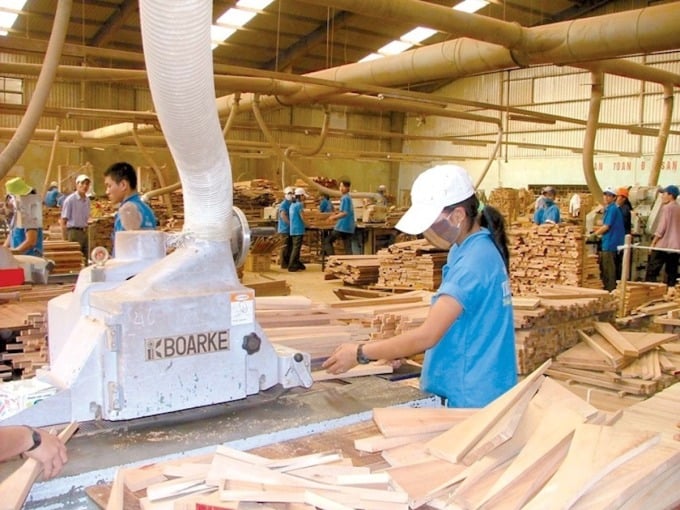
9	14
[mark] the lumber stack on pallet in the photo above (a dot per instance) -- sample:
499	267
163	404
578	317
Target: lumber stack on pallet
625	362
353	269
550	254
66	256
544	331
537	446
411	265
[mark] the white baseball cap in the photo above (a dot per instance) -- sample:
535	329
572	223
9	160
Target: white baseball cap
609	191
300	192
288	190
433	190
81	178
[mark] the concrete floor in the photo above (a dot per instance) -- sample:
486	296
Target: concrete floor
309	283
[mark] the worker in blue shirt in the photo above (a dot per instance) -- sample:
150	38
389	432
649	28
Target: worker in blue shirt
548	211
297	229
52	195
325	205
613	233
468	336
120	180
283	225
344	222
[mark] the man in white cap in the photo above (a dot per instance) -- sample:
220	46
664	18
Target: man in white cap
468	336
297	229
26	235
283	225
75	214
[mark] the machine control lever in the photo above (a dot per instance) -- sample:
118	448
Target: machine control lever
251	343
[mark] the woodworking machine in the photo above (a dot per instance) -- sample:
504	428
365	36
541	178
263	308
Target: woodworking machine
127	343
146	333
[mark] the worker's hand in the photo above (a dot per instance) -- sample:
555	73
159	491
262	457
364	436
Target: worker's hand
343	358
51	454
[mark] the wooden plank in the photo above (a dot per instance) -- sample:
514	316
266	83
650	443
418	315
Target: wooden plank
419	480
614	337
404	421
454	444
504	428
537	461
357	371
599	344
378	442
640	472
595	451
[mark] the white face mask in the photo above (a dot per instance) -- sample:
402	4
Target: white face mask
442	234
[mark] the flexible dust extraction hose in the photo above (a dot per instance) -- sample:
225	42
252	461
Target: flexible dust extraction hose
176	38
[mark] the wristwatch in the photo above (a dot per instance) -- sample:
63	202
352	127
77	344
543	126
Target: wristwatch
361	358
37	439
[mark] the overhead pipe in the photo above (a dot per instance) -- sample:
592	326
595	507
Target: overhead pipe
664	128
314	149
280	153
631	32
232	114
588	154
22	136
492	157
50	163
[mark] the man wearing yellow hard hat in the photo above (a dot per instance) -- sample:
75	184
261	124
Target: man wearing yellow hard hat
26	235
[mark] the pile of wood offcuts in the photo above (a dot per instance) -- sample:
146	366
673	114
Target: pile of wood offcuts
536	447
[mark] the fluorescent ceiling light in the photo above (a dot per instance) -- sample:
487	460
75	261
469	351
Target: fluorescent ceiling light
470	5
9	12
394	48
234	18
418	34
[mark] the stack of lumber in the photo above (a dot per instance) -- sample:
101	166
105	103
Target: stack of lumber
625	362
638	294
506	200
353	269
537	446
51	217
394	214
66	256
411	265
101	231
546	323
545	254
251	196
28	351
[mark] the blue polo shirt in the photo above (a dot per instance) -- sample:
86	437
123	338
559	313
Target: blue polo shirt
474	362
148	217
616	234
297	226
282	227
346	224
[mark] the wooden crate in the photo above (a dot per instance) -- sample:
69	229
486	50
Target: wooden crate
258	262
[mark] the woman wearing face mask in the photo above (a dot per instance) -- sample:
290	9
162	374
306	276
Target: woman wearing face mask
468	336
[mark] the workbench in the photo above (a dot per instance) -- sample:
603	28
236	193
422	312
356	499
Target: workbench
263	420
